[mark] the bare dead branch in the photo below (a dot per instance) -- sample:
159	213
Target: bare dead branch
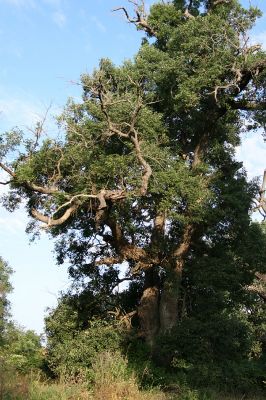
140	18
6	183
39	128
122	317
242	77
72	205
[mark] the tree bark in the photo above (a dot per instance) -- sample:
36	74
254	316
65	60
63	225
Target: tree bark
148	309
169	301
171	289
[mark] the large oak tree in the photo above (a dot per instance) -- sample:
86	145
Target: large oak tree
145	178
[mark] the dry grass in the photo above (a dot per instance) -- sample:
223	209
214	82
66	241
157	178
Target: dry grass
112	381
124	391
15	388
12	385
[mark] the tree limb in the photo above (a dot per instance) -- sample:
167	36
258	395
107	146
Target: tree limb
8	170
41	189
217	2
131	132
125	250
140	20
248	105
50	221
146	166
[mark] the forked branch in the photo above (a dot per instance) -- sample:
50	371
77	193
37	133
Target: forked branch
140	18
130	131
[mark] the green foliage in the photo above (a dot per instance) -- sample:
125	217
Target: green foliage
5	289
71	353
23	349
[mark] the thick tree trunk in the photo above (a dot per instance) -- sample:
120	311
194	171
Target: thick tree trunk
158	308
171	289
169	301
148	310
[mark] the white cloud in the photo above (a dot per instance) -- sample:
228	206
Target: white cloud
252	152
98	24
12	223
23	111
53	3
19	112
20	3
259	38
59	18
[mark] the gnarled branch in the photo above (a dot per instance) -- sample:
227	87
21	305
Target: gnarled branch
130	132
140	19
50	221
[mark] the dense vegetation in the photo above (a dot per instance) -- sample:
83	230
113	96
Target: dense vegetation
144	188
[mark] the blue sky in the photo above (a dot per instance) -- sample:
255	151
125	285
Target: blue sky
44	47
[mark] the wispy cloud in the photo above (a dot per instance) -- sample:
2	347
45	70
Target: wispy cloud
252	153
59	19
53	3
16	111
20	3
101	27
12	223
23	111
259	38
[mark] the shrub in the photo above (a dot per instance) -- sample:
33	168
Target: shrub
72	357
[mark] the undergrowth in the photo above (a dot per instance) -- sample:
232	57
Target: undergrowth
108	379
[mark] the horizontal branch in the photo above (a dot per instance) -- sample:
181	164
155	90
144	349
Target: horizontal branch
246	105
109	261
41	189
217	2
5	183
50	221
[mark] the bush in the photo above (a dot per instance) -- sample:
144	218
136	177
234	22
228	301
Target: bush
72	357
23	350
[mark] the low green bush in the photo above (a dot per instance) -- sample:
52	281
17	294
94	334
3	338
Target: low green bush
73	356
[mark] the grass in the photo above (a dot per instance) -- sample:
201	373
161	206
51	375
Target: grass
37	390
108	379
23	389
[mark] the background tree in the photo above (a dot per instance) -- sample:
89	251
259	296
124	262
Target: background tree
5	289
